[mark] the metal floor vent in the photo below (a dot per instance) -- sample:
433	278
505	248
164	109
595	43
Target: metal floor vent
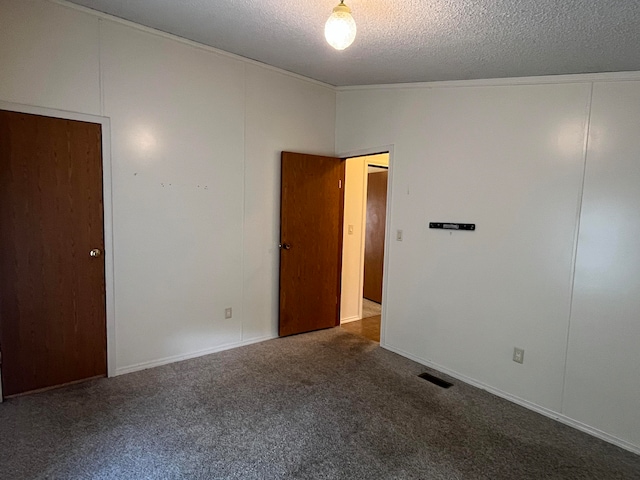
436	380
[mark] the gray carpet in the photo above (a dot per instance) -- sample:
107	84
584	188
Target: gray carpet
326	405
370	309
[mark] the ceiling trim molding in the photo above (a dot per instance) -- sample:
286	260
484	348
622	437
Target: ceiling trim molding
490	82
510	81
201	46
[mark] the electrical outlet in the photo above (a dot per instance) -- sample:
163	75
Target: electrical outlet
518	355
228	313
399	235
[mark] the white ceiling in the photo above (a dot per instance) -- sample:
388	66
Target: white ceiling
407	41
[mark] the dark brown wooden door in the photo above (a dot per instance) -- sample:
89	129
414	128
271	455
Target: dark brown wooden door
52	292
374	237
311	213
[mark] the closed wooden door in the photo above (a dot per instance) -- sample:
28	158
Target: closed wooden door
374	237
52	291
311	214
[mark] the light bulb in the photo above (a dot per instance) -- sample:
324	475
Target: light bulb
340	29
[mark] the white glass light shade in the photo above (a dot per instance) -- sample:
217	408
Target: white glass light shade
340	29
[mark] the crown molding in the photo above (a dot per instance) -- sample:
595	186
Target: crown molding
509	81
489	82
201	46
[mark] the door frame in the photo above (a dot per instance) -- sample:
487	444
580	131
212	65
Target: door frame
107	206
387	228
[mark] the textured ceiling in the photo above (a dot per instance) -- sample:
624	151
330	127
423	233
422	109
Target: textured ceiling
410	40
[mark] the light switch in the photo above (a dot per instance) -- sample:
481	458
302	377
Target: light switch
399	235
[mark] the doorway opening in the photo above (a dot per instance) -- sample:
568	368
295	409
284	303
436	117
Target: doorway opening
323	245
364	232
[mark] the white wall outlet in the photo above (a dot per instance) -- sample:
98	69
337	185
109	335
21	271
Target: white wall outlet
228	313
518	355
350	229
399	235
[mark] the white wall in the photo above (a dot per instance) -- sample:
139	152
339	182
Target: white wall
283	114
603	381
511	158
196	137
49	56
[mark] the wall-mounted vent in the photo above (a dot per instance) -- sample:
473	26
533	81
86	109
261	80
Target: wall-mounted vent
435	380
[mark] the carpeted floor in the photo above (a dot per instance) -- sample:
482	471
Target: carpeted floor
370	308
325	405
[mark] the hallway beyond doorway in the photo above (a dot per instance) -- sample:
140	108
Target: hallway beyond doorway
370	308
368	328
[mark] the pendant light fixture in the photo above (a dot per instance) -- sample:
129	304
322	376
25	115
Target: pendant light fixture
340	29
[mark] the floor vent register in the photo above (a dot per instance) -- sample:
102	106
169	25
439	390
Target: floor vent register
435	380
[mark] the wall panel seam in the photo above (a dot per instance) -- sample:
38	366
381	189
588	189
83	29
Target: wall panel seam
585	149
100	71
244	199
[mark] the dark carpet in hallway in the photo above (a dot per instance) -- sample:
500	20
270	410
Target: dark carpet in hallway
326	405
370	309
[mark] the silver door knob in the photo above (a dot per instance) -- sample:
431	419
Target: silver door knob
95	253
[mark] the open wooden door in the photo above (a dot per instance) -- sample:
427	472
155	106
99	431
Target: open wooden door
374	238
311	214
52	286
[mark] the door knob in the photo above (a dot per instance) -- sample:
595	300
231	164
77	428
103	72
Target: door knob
95	253
285	246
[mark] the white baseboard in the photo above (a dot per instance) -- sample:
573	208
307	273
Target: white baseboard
522	402
355	318
177	358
